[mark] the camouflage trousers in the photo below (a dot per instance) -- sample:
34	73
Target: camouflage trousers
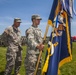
13	59
30	64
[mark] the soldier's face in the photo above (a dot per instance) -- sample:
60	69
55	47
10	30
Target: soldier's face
37	21
17	24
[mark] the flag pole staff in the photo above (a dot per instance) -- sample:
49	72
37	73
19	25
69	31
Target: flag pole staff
47	27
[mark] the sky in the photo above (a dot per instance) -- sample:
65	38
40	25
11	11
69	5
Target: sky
24	9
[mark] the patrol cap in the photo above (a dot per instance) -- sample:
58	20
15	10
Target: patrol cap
17	20
36	17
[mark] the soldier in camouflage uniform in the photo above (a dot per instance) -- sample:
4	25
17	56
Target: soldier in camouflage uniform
34	45
13	55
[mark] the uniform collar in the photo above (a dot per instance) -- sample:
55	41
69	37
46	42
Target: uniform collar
34	26
16	29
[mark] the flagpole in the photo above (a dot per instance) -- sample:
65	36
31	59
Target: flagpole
47	27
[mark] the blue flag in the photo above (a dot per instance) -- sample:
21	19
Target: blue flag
52	14
59	46
67	6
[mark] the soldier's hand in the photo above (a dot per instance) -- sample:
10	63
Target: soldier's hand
40	46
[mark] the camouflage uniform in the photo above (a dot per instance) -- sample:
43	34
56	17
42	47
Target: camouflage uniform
13	55
33	35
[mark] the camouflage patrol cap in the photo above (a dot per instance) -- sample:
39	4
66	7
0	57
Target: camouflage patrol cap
36	17
17	20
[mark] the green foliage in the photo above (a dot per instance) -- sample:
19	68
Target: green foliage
66	69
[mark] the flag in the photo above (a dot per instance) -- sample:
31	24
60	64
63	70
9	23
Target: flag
59	48
52	14
68	6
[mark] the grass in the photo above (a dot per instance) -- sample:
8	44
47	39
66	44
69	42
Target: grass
66	69
70	68
3	60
